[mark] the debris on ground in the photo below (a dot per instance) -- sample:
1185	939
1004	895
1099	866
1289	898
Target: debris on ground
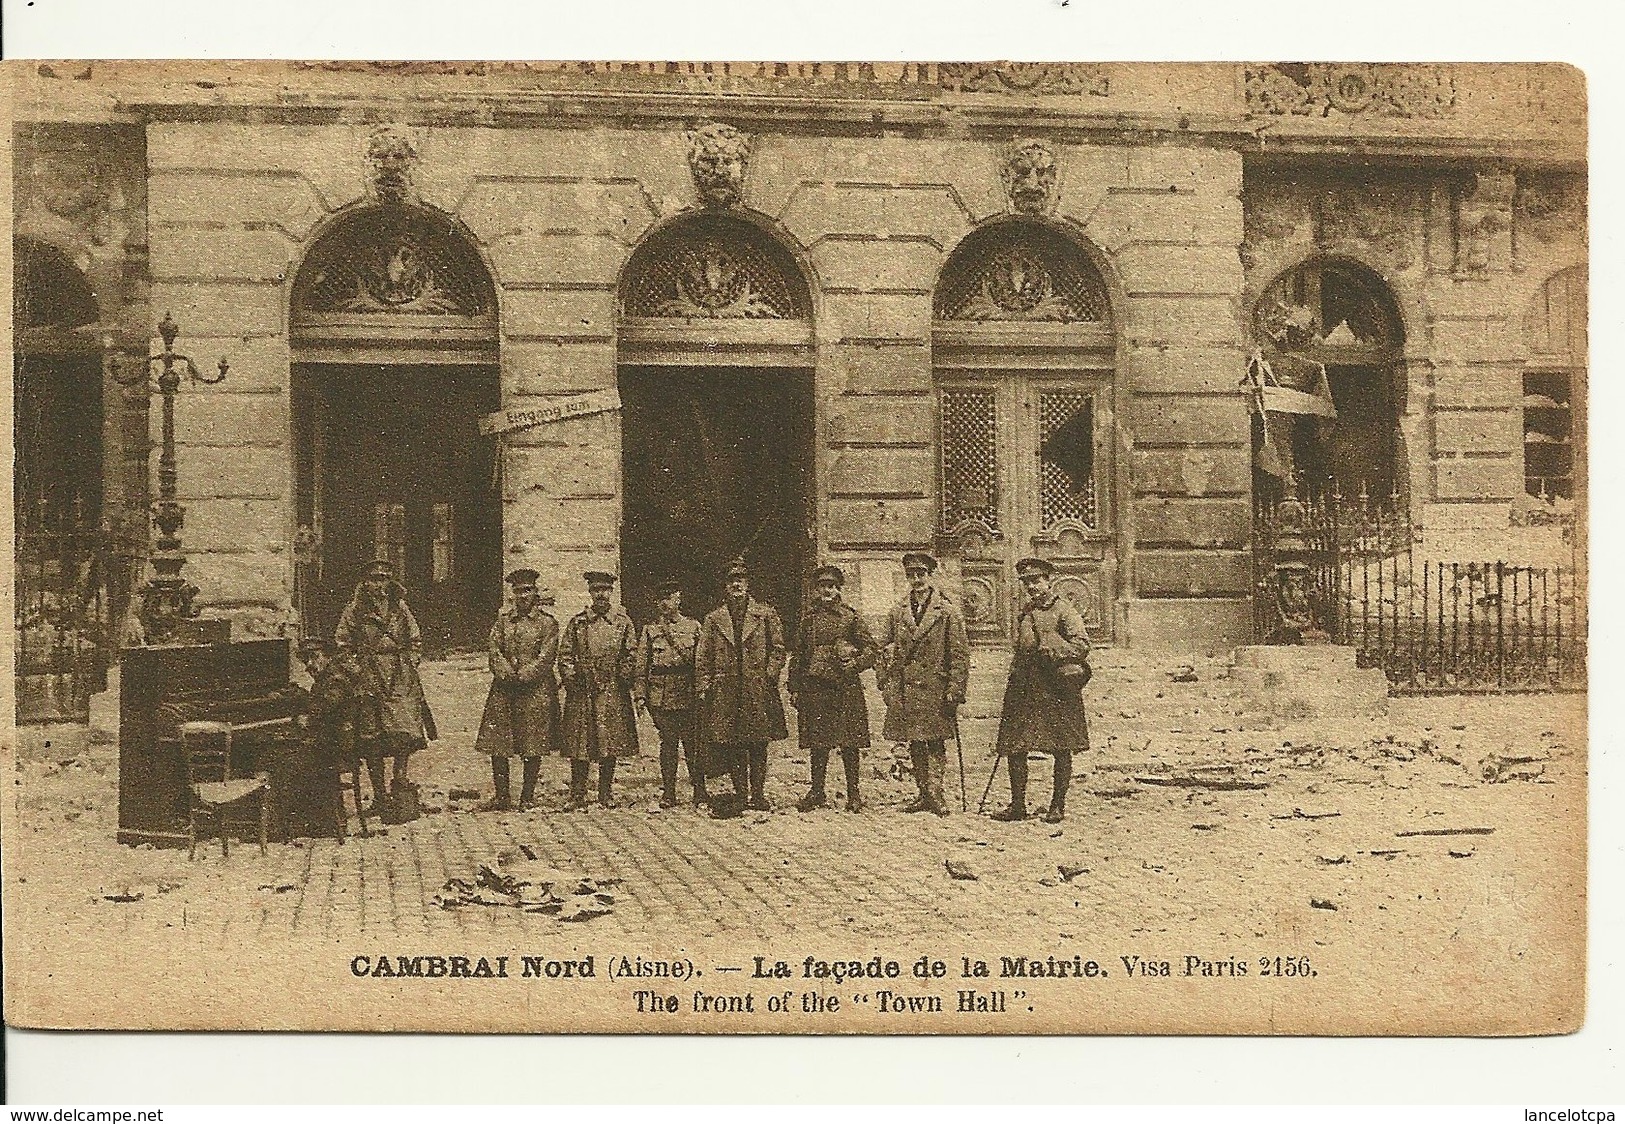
279	887
1218	784
960	871
1322	903
1445	831
1184	673
1331	860
1498	768
1467	854
463	794
523	882
1068	872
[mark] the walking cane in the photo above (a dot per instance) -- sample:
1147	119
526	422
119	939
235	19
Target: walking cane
959	750
983	803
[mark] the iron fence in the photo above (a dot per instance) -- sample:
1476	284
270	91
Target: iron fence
1434	623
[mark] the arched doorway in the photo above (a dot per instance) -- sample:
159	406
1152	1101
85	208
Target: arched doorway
64	568
1023	355
1330	330
714	349
394	333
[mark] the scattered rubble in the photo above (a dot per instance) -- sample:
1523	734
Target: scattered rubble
525	883
960	871
1322	903
1068	871
1184	673
1499	768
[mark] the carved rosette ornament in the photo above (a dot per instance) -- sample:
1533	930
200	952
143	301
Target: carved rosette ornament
1035	79
392	158
718	156
1029	175
1325	89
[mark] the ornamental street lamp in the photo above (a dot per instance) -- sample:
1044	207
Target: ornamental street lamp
166	598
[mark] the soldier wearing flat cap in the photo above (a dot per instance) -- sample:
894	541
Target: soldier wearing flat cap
1043	701
663	684
925	668
736	673
832	651
596	660
521	717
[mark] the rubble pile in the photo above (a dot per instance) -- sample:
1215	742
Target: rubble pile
523	882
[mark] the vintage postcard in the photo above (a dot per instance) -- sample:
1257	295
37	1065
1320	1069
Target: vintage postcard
762	547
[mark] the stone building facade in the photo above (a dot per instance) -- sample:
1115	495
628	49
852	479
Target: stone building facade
989	310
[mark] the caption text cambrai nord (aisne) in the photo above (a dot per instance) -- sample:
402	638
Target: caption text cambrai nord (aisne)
736	991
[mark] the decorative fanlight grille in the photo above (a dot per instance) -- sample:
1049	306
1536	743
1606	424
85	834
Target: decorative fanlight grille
48	292
970	460
1024	273
714	268
394	261
1066	486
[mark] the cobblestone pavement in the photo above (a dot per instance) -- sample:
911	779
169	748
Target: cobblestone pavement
1191	815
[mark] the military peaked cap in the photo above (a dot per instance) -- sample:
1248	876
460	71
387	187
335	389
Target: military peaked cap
828	574
920	558
1034	567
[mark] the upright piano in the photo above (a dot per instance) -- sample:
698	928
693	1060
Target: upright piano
247	683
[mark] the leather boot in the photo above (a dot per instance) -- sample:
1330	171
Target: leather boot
375	773
815	797
936	756
696	774
668	772
578	786
757	758
503	800
916	759
1018	790
527	788
606	780
850	763
1063	781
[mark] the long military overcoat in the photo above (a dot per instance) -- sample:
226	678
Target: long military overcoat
381	642
739	684
1041	713
595	664
833	649
924	667
521	715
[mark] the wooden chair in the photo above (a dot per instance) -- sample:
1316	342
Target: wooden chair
348	777
213	790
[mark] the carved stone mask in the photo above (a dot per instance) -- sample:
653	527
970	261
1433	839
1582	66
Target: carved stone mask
391	157
1029	177
717	156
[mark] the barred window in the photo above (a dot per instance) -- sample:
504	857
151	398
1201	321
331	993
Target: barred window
970	460
1021	272
714	267
1555	373
1066	457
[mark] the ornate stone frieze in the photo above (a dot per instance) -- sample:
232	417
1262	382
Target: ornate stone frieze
1270	217
1029	176
1036	79
392	157
1328	89
1549	207
1484	223
718	157
710	283
1381	219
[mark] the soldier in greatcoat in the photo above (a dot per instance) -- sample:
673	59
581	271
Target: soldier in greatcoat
1043	702
596	664
664	685
924	671
736	673
378	639
832	651
521	717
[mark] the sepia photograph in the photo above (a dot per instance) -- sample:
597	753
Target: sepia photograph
874	548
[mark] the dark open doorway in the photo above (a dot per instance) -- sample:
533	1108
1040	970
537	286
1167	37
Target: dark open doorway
716	462
391	465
